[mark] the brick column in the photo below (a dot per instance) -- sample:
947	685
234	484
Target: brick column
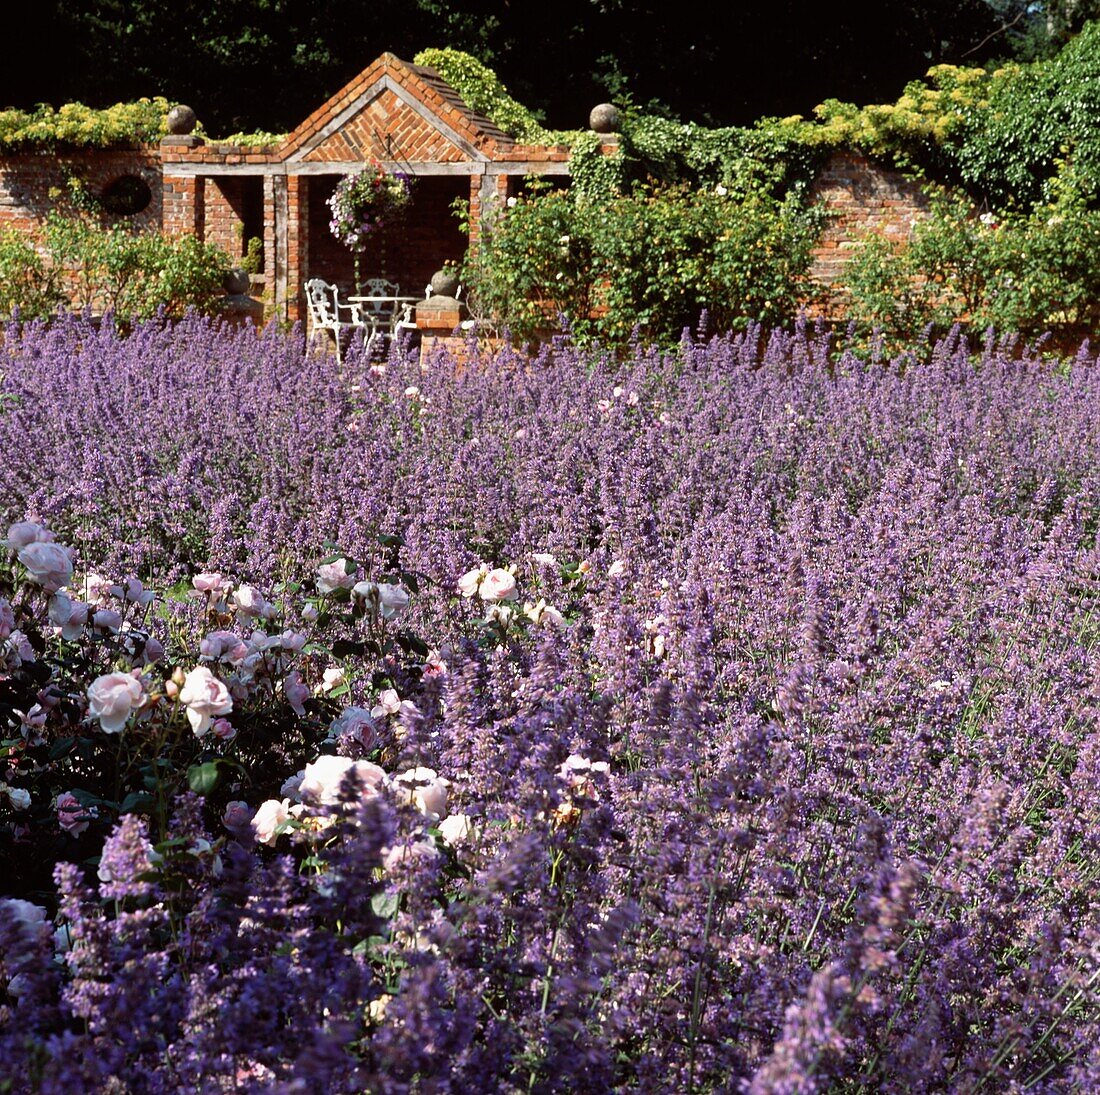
184	207
270	246
297	243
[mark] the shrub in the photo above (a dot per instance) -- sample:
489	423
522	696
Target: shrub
651	259
1009	271
130	274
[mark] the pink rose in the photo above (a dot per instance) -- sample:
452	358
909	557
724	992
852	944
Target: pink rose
223	729
333	576
237	817
106	619
357	723
296	692
251	602
223	646
268	818
68	615
72	816
204	696
322	779
48	565
425	789
499	585
111	699
7	619
469	582
23	533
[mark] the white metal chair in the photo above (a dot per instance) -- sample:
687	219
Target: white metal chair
328	313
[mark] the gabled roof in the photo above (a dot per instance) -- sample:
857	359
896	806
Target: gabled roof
395	112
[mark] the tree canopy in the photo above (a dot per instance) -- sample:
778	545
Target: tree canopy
265	64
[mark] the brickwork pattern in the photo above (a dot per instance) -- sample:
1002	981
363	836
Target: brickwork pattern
862	198
26	180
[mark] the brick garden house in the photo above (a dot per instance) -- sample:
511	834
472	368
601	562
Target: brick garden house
404	116
407	118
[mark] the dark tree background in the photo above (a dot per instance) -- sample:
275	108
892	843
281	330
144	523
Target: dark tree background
265	64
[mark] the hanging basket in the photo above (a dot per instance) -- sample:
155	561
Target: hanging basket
363	202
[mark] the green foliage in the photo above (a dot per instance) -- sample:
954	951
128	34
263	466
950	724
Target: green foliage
131	274
253	260
1027	272
77	126
27	282
1035	116
256	139
482	91
652	259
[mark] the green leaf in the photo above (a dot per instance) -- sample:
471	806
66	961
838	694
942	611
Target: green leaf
203	778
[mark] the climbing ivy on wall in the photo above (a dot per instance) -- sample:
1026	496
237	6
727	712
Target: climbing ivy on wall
75	125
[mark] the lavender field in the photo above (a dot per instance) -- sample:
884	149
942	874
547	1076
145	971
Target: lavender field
722	719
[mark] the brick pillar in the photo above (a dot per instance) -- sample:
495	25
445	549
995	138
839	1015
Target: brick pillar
484	189
279	289
270	246
297	243
184	205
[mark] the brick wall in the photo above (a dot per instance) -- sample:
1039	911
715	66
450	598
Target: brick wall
234	212
862	198
27	178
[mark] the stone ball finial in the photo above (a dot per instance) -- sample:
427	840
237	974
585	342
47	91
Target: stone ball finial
236	281
444	283
604	118
181	120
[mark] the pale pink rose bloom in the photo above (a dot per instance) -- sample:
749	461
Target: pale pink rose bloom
20	646
551	616
333	576
389	703
296	692
603	406
617	392
23	533
458	829
268	818
544	559
97	589
292	786
223	729
133	590
154	650
423	788
26	913
210	582
356	722
19	797
468	583
332	678
72	816
251	602
392	598
224	646
499	585
31	723
617	569
68	615
408	855
237	816
434	665
111	698
106	619
293	641
204	696
48	565
7	619
310	613
322	779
